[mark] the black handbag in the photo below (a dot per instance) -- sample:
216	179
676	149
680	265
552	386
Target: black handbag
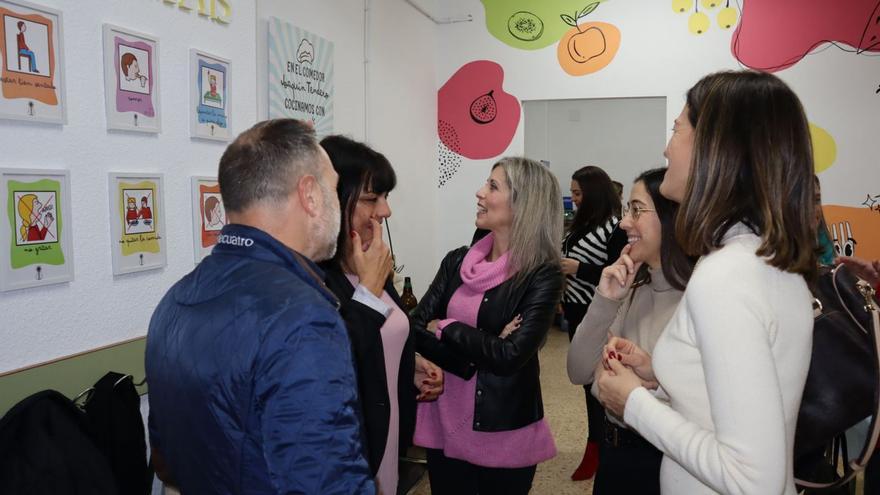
842	384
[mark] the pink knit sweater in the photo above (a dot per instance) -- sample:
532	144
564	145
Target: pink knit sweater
446	423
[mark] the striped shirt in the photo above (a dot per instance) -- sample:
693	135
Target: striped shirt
594	250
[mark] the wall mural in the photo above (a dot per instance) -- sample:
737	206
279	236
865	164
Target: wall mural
699	21
773	36
530	25
584	47
476	119
587	47
824	148
855	231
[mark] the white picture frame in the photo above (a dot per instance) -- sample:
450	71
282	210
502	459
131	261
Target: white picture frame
137	222
208	215
36	228
210	104
131	80
32	37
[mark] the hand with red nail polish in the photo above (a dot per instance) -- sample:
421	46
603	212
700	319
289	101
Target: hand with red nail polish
632	356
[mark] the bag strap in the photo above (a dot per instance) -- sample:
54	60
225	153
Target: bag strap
858	465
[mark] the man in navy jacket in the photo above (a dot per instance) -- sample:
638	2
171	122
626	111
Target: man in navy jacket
252	388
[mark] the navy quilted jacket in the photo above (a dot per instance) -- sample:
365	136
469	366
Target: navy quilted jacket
252	389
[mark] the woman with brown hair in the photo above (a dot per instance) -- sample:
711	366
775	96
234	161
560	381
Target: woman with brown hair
732	363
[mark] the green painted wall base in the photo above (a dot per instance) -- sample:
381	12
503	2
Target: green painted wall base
73	374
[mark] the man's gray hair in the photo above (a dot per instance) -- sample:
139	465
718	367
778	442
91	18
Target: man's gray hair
265	162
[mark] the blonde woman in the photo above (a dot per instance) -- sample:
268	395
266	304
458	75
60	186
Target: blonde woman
35	218
482	320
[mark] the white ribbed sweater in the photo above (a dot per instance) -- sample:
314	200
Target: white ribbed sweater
732	364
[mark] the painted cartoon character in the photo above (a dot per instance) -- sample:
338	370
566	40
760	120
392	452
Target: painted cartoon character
212	94
146	213
844	242
213	213
132	70
24	50
131	212
35	218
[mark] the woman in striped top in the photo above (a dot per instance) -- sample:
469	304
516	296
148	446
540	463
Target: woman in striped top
591	243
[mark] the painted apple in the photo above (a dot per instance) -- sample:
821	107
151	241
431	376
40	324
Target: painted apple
775	35
586	47
476	118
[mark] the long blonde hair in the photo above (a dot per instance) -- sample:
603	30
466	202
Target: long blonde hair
536	203
25	208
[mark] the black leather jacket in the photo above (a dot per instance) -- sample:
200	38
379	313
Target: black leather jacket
508	394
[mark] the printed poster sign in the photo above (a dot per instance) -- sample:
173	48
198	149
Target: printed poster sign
137	222
300	76
131	80
31	75
209	96
36	242
209	215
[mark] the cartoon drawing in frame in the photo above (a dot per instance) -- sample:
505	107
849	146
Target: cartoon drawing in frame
208	215
215	215
35	217
31	75
131	80
210	108
35	245
138	210
137	222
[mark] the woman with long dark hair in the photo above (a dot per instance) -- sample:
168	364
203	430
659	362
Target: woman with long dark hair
636	305
732	363
391	376
592	242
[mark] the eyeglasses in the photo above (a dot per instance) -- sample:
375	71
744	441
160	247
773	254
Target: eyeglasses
635	210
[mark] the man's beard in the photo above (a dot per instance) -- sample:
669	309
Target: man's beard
325	232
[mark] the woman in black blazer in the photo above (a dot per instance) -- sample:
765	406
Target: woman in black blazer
391	377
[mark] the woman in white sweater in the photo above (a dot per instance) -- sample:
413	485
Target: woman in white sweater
732	363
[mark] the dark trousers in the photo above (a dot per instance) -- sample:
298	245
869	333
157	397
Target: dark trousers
574	313
629	464
455	477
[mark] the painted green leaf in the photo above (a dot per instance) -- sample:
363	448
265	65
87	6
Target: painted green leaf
588	9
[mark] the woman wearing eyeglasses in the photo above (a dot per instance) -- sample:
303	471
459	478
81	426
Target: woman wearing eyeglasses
634	300
732	363
592	242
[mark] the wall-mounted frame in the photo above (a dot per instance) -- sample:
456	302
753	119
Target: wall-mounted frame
131	80
35	229
208	214
209	96
31	47
137	222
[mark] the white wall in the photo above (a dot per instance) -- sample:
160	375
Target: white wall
391	106
97	308
658	56
623	136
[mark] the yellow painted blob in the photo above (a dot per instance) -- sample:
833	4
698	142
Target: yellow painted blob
824	148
